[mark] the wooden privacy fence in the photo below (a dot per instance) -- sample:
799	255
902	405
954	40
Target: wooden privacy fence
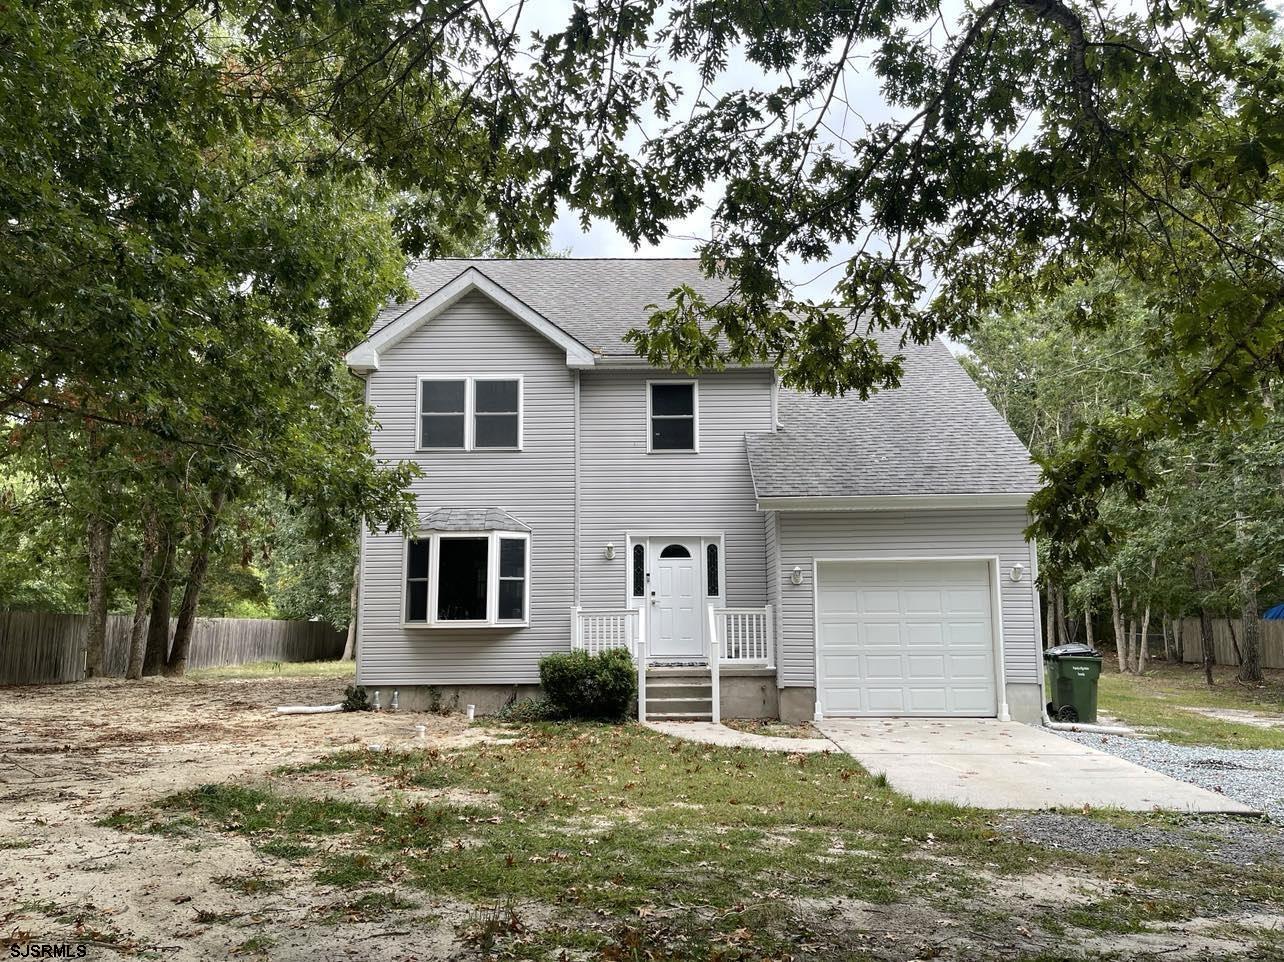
39	648
1272	642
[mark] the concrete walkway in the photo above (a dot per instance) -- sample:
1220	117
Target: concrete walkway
710	734
991	764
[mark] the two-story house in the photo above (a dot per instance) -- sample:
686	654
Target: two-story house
761	552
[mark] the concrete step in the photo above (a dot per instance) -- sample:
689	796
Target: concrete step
678	716
683	690
686	706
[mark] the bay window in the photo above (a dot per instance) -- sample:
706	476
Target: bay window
467	579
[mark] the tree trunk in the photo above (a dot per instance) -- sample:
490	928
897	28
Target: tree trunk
1061	616
1117	617
99	537
1049	632
1206	643
158	625
1239	655
1250	663
1087	627
1178	632
350	646
1143	643
177	663
1130	637
146	578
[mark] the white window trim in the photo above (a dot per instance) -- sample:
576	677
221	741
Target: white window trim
695	417
492	620
470	409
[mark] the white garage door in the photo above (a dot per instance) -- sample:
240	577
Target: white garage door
905	638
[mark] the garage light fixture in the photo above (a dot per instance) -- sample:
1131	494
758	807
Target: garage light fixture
1016	572
796	575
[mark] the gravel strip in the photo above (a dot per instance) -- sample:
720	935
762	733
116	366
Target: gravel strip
1235	841
1253	776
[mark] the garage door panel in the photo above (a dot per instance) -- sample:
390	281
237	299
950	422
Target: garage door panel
922	601
979	701
925	668
928	701
886	701
878	601
969	667
884	666
846	701
878	634
902	638
841	668
839	633
969	634
925	635
975	601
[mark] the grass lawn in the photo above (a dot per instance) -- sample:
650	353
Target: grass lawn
1156	699
277	669
619	843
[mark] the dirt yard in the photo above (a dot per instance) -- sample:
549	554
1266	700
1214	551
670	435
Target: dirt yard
152	820
70	756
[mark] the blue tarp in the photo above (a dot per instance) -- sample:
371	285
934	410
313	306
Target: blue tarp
1275	614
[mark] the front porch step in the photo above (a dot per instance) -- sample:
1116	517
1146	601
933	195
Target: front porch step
678	716
692	689
699	705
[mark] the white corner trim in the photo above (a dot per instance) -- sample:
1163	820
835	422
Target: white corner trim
365	356
895	502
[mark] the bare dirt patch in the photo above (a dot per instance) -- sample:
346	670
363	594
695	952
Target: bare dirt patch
71	755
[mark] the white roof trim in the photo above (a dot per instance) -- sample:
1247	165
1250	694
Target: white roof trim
895	502
365	356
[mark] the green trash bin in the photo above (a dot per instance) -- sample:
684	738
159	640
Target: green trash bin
1072	672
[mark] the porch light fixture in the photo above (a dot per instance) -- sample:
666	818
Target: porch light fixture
796	575
1016	572
610	551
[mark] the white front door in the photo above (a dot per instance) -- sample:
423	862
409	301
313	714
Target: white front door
905	638
677	630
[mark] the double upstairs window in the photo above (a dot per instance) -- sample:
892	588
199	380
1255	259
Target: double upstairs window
673	414
470	414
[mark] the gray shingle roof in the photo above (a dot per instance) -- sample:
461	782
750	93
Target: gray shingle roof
596	301
935	434
471	519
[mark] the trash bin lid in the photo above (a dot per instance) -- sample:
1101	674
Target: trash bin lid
1077	650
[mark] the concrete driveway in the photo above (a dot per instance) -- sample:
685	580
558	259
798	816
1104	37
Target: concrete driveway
992	764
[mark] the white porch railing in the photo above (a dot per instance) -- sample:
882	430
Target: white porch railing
596	631
744	636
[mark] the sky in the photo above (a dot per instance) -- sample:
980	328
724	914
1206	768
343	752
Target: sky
602	240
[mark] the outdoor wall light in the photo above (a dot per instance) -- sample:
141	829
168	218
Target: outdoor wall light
1016	572
796	575
610	551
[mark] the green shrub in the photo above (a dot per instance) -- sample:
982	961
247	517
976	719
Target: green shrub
355	699
596	687
529	710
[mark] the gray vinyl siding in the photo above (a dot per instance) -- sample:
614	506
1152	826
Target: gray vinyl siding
927	534
536	485
773	579
624	490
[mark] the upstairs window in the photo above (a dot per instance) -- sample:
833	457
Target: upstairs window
497	414
442	413
467	579
469	414
672	412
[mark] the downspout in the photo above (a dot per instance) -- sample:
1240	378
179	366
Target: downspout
1056	726
575	552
